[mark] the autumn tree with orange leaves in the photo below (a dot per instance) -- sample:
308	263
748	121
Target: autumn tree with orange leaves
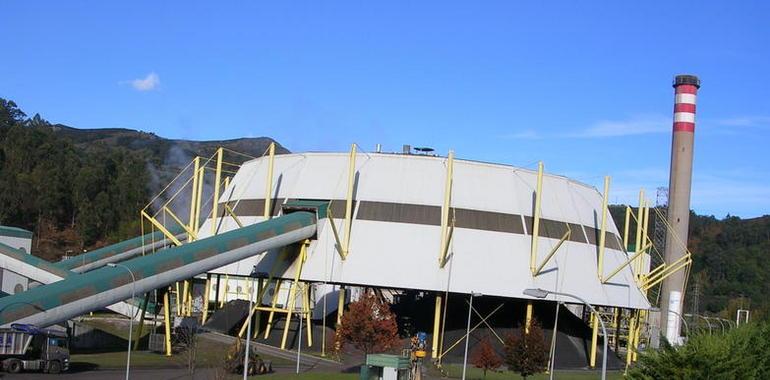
369	325
485	357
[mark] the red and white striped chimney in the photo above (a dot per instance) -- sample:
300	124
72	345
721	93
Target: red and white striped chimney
680	183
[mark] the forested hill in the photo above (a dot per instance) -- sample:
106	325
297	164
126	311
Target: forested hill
731	263
80	189
83	188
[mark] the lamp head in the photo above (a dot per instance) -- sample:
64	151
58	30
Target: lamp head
537	293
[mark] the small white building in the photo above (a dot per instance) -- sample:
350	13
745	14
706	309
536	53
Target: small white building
16	238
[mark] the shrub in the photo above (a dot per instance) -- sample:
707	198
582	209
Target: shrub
369	325
485	357
742	353
527	354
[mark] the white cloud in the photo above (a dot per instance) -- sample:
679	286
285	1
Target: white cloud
148	83
523	135
745	121
634	126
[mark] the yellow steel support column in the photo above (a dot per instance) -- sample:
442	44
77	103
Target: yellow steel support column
594	339
528	320
272	307
223	300
198	199
306	310
177	300
536	219
269	182
185	290
645	236
293	292
436	328
639	217
206	296
445	208
193	195
625	228
630	338
340	305
603	228
215	200
349	201
162	229
167	322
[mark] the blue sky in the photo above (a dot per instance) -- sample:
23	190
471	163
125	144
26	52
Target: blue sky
584	87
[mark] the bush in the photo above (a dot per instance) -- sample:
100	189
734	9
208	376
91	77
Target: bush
525	353
485	357
743	353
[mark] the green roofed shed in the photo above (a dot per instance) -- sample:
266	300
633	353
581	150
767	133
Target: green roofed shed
15	232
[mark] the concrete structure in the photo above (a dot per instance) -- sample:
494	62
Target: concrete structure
11	282
672	291
396	232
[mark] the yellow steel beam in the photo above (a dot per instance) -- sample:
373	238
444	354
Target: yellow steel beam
272	306
223	300
639	218
179	221
483	320
594	339
349	201
340	305
674	268
167	322
625	228
436	327
193	195
215	202
206	296
621	266
536	219
645	235
338	244
445	208
198	199
261	295
603	228
293	291
269	181
554	250
162	229
306	310
630	347
528	319
232	215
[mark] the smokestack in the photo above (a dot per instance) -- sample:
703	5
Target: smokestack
680	182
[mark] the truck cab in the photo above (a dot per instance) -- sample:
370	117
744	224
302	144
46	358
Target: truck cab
31	349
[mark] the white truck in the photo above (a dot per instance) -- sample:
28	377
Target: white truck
25	347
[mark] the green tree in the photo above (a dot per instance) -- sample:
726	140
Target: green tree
527	353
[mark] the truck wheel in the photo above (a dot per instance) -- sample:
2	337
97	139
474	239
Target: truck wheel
54	367
14	366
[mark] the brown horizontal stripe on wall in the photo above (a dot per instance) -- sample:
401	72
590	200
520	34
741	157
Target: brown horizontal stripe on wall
431	215
399	213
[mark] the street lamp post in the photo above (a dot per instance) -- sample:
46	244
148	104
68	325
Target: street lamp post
254	274
720	323
686	327
703	318
131	318
542	293
468	332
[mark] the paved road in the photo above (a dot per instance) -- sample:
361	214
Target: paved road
149	374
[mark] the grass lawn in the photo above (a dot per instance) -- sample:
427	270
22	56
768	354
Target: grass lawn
209	354
118	327
455	372
306	376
